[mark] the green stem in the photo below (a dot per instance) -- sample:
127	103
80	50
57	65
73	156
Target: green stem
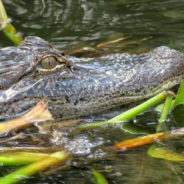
7	27
3	16
33	168
164	114
20	158
130	113
11	33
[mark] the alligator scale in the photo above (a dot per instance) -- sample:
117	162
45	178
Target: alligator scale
81	86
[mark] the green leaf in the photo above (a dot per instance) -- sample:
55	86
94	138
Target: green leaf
157	151
178	107
99	178
134	129
180	95
178	113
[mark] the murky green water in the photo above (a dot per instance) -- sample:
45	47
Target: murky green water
66	22
147	24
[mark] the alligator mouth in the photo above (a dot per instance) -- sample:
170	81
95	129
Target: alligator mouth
164	86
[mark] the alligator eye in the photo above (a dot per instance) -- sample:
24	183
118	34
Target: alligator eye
48	62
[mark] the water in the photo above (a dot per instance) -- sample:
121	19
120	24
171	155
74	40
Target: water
147	24
66	22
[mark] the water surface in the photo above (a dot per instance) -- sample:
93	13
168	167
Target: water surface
147	24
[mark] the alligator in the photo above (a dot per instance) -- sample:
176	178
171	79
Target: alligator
76	87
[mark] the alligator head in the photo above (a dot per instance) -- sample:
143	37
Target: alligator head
81	86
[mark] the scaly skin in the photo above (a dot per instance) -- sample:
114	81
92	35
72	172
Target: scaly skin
82	86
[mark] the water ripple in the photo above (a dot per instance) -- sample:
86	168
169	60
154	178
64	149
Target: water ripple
68	21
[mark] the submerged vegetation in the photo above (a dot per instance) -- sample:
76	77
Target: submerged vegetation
41	161
32	163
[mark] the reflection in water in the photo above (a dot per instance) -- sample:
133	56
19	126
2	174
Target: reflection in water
73	21
93	23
